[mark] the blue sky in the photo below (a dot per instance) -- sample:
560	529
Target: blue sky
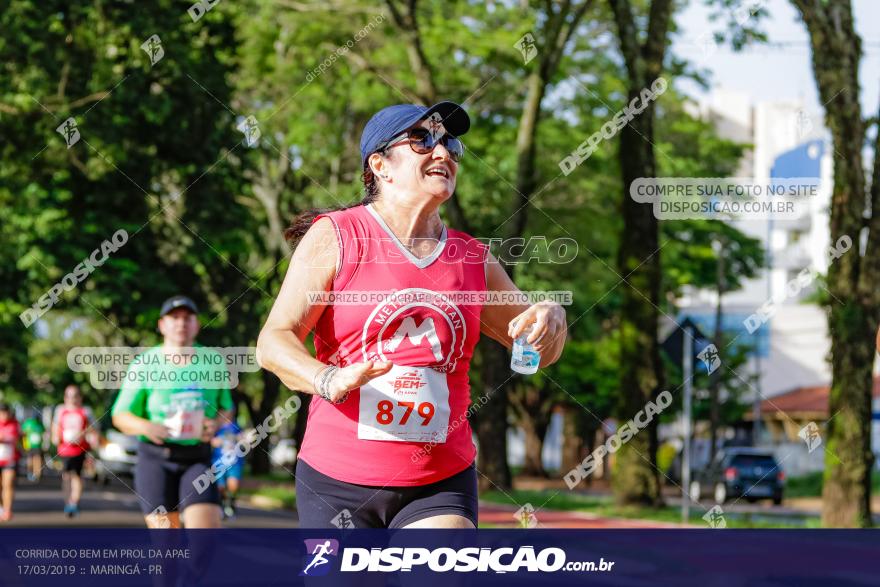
778	72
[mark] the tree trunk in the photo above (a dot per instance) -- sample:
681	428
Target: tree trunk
579	430
852	279
572	441
491	420
535	430
532	408
407	22
635	479
590	435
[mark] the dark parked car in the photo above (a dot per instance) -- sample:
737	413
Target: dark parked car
740	472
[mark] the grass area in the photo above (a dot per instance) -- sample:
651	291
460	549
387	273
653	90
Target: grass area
811	485
605	506
804	486
276	485
285	496
274	476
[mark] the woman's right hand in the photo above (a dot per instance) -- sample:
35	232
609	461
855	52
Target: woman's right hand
157	433
353	376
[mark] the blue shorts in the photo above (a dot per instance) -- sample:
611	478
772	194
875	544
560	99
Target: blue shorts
165	476
233	472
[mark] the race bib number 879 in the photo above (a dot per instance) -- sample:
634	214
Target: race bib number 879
407	404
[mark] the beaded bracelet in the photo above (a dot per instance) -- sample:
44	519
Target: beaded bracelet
324	384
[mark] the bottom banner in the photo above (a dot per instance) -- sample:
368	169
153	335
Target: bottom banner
438	557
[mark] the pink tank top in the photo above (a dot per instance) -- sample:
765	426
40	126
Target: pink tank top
72	423
408	427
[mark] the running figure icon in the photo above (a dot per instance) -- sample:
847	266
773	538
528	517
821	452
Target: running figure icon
319	559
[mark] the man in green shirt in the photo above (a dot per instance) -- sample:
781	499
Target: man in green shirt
32	441
172	398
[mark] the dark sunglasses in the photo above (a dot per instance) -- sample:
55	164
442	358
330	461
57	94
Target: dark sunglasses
423	142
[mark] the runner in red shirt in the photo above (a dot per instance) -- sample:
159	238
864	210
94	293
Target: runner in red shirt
10	435
73	434
387	442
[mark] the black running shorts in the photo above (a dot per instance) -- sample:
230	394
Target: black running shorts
165	477
74	464
325	502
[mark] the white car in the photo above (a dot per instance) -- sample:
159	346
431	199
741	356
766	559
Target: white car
284	453
117	456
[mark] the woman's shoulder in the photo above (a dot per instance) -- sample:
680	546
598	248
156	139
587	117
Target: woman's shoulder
347	220
349	212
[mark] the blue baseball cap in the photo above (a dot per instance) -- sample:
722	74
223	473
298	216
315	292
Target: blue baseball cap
393	120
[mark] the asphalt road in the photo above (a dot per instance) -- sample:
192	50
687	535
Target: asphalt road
111	506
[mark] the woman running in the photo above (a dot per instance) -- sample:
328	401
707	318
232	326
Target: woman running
175	416
10	435
74	435
387	442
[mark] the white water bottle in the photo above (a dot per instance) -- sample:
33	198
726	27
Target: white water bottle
525	358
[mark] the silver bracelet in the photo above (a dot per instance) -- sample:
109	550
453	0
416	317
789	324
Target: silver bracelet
324	384
319	380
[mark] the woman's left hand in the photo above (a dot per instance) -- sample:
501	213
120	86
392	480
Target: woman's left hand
549	330
209	428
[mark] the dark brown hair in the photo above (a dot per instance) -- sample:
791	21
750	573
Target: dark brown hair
301	222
